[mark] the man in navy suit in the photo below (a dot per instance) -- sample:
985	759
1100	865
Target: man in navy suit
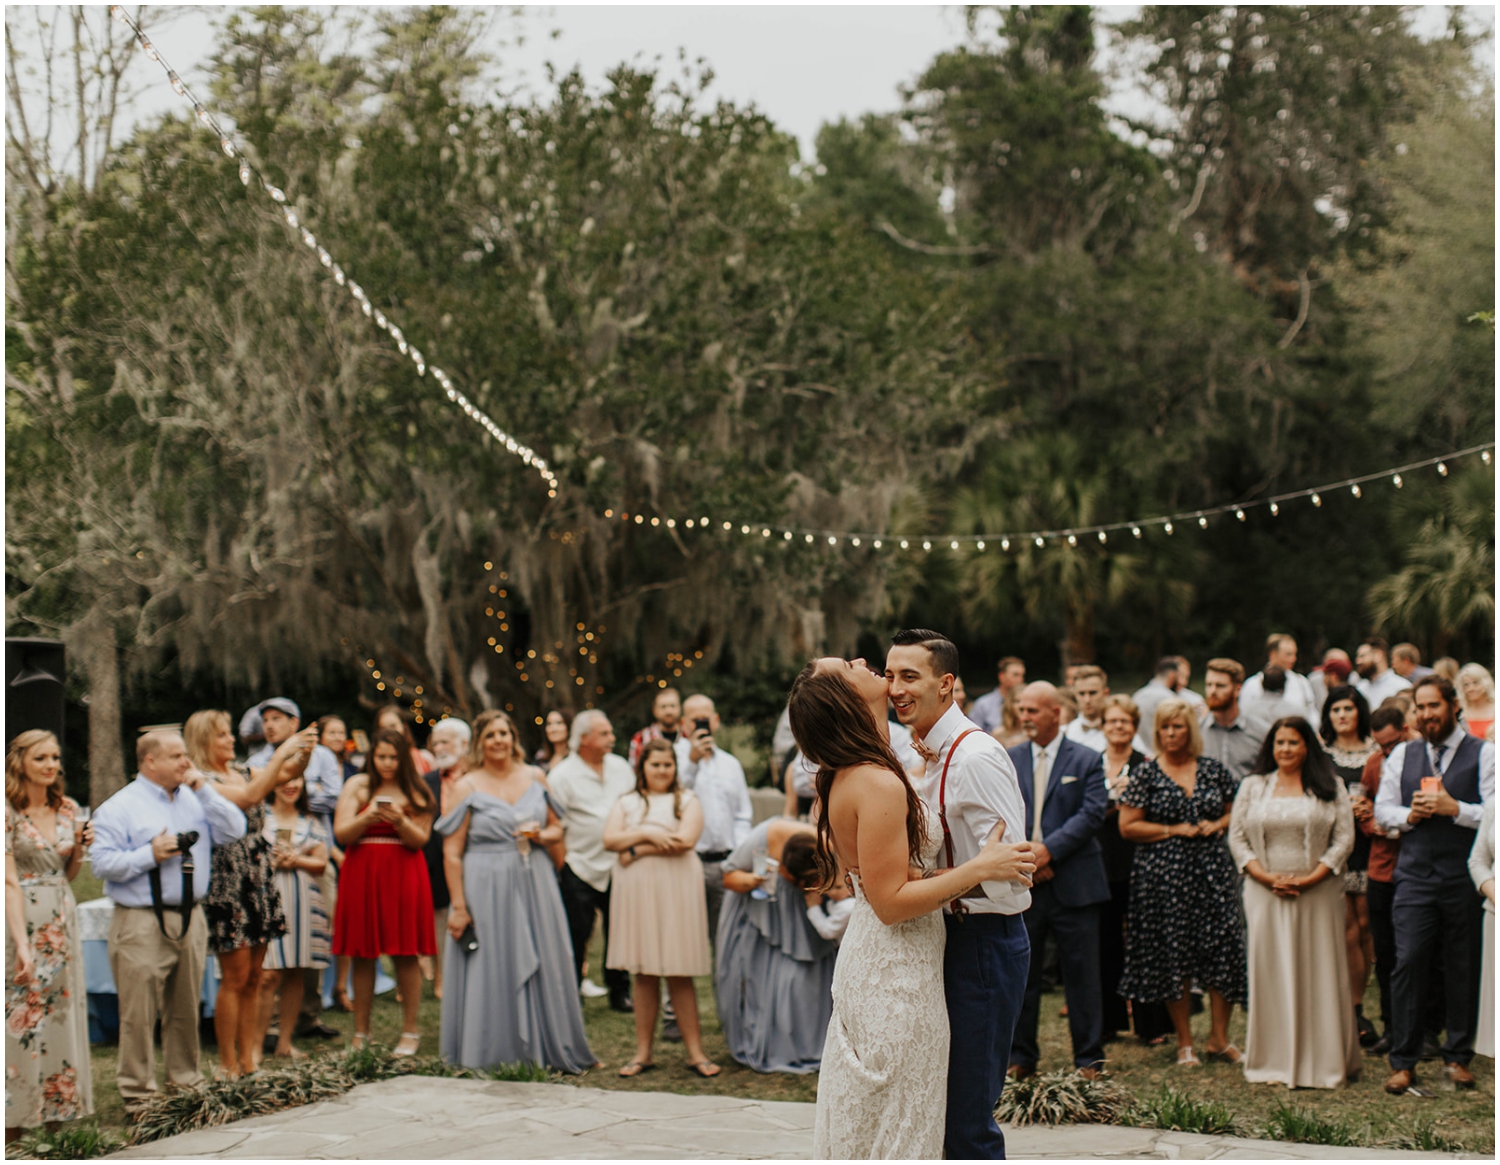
1062	784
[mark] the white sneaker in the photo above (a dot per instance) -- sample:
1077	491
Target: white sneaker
588	989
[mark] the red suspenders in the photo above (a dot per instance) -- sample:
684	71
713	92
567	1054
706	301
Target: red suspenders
957	905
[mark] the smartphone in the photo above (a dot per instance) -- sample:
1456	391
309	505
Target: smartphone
1432	784
701	724
284	837
384	801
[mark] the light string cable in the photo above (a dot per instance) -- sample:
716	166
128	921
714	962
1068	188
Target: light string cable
1136	526
247	171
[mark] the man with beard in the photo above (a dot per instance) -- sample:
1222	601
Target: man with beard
1433	791
1231	736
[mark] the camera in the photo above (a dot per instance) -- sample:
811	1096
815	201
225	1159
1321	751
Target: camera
186	841
701	724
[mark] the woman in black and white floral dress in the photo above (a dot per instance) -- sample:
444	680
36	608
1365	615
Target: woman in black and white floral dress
1184	925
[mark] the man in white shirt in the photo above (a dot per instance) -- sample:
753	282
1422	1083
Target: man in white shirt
1377	681
988	954
1163	686
1281	651
718	778
158	937
1433	790
1184	675
585	786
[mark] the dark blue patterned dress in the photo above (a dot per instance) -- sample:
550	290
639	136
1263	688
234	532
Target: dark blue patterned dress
1184	922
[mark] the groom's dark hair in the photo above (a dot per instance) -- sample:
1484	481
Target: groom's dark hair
939	646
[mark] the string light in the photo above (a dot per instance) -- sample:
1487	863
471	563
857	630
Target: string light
527	455
1355	490
1317	500
1442	469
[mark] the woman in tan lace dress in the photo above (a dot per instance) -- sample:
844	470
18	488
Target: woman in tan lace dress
47	1075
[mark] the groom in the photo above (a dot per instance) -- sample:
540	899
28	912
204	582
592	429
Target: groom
988	955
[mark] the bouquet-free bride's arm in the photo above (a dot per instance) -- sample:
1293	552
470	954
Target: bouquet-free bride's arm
878	803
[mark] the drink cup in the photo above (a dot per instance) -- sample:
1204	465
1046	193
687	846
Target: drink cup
773	877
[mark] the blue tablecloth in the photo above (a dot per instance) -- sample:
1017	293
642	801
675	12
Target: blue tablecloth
104	1010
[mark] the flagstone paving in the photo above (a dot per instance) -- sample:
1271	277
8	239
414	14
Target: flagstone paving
425	1118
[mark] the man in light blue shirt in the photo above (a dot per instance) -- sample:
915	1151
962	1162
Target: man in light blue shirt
986	710
158	938
324	777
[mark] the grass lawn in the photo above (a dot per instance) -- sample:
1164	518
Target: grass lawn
1467	1117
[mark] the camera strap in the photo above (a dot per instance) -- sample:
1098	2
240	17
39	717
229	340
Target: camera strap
154	877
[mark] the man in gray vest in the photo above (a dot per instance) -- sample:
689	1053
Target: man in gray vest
1433	790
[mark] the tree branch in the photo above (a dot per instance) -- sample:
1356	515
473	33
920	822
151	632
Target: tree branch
1306	287
928	248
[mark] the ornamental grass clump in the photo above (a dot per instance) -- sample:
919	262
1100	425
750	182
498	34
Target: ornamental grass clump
1306	1127
1170	1109
1062	1097
321	1078
72	1141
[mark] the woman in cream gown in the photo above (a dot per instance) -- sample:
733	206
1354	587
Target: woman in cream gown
1291	830
883	1084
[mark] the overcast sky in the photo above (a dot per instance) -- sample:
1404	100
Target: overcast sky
801	65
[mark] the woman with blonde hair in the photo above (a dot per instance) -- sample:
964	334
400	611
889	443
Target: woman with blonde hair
1183	926
46	1014
509	993
1476	691
243	907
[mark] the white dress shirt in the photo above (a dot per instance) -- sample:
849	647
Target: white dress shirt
1080	731
1381	688
583	801
982	791
719	781
1298	693
121	856
1391	814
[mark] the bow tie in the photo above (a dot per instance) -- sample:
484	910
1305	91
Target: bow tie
923	751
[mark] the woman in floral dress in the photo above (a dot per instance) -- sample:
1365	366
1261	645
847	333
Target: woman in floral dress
47	1075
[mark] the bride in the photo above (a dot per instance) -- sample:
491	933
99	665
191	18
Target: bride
883	1086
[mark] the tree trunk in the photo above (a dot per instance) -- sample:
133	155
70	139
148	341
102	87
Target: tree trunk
1078	633
94	644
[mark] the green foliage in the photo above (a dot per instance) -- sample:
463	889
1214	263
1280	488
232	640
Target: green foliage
1303	1126
321	1078
1062	1097
1170	1109
72	1141
1425	1138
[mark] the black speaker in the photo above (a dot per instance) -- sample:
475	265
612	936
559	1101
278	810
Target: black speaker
35	675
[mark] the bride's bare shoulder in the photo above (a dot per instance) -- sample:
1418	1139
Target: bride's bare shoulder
869	776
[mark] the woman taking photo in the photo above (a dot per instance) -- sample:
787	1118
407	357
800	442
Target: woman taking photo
299	855
555	745
1183	926
385	904
509	992
774	976
1291	830
243	907
1345	730
47	1077
658	917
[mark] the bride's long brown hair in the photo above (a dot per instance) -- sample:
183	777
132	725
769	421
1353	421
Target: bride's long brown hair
835	730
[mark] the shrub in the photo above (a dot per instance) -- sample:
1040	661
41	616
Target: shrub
1304	1126
1062	1097
1170	1109
73	1141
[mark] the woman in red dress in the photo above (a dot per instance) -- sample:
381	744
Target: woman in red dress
383	819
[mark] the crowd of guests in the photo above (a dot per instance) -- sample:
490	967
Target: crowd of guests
1270	843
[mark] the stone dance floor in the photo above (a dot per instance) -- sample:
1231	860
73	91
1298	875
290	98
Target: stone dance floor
432	1119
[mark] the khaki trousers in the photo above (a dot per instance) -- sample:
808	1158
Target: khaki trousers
157	976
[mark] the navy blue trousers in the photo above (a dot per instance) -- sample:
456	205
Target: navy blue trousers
1077	932
984	976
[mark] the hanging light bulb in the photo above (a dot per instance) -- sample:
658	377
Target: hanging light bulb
1275	509
1317	500
854	542
926	545
244	172
202	114
979	545
118	12
1202	522
809	539
787	536
1072	540
1103	537
1167	527
1356	491
1239	513
764	533
1485	457
227	146
1136	530
877	544
1442	469
1039	542
905	545
953	545
276	193
148	48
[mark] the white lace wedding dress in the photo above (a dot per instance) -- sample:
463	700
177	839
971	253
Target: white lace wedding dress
882	1089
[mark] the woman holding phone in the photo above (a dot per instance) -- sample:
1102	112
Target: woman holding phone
385	903
509	994
299	855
